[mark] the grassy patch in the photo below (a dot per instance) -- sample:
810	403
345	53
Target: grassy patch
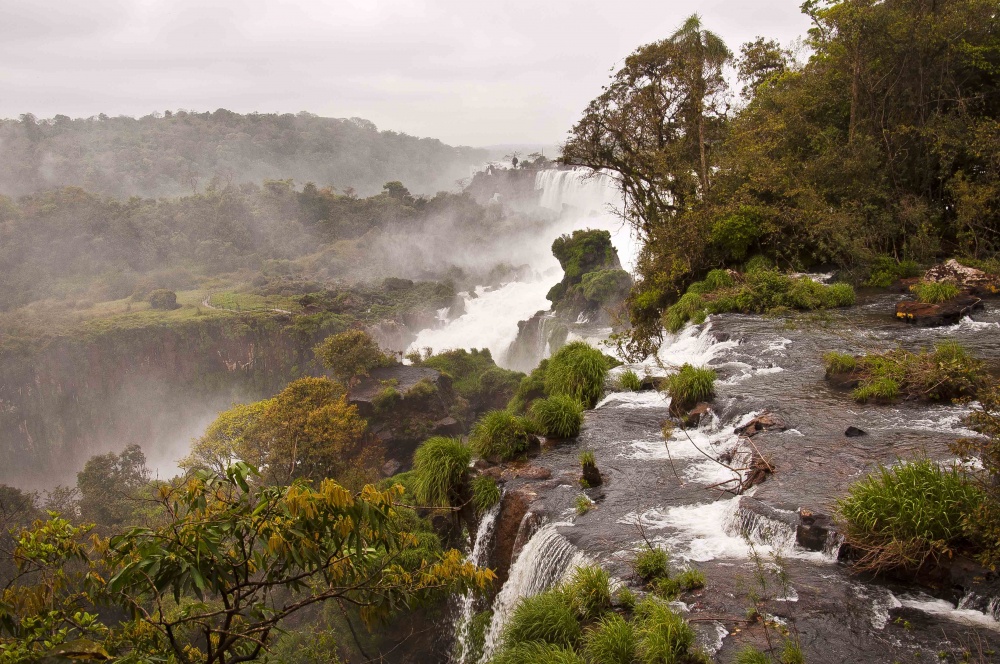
440	466
944	374
558	416
485	494
583	504
652	563
548	617
758	290
499	434
611	641
903	516
590	591
537	653
577	370
629	381
690	385
663	635
935	292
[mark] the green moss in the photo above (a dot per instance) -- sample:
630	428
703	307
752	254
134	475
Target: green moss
440	467
577	370
558	416
500	434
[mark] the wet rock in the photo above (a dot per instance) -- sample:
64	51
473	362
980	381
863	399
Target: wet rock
974	281
813	530
652	382
391	467
950	312
844	381
854	432
721	336
591	475
513	509
764	422
447	426
696	414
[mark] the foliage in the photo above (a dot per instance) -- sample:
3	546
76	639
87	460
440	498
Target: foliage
751	655
689	385
982	457
629	381
587	458
475	375
110	486
232	436
577	370
440	470
530	388
602	286
387	399
944	374
907	515
351	354
663	635
485	493
500	434
164	299
690	579
652	563
559	416
548	617
590	591
582	252
935	292
535	652
611	641
886	270
583	504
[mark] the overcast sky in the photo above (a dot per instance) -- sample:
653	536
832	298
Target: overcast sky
465	71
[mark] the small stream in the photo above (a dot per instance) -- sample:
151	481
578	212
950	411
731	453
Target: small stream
668	491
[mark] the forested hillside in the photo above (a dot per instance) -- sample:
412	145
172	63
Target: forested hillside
182	152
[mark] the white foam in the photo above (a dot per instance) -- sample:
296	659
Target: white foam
944	609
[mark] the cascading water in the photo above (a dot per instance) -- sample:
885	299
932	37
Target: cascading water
546	559
467	603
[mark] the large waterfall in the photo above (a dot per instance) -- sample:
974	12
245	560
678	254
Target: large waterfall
574	199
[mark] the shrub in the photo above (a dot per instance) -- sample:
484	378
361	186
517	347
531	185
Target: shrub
603	286
577	370
422	389
530	388
386	399
536	653
935	292
500	434
440	466
690	307
839	295
758	263
663	636
946	373
583	504
902	517
351	354
629	381
690	385
652	563
559	416
886	270
485	493
163	299
736	233
590	591
548	617
610	641
839	363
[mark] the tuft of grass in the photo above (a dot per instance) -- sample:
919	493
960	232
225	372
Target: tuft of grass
690	579
626	598
663	635
690	307
577	370
690	385
589	590
935	292
947	373
792	653
500	434
839	363
583	504
629	381
587	458
548	617
559	416
750	655
652	563
485	493
440	467
611	641
904	516
536	653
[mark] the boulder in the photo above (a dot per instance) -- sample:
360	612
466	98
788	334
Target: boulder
508	540
813	530
696	414
950	312
976	282
854	432
591	475
766	421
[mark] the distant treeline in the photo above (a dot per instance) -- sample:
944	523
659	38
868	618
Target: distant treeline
182	152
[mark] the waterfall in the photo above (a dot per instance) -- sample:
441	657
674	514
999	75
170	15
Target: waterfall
467	603
545	560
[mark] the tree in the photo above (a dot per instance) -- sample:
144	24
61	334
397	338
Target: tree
235	435
351	354
109	485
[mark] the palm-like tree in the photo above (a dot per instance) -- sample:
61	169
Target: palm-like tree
706	54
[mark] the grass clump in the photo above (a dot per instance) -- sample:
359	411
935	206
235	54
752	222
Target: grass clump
499	434
440	467
629	381
530	388
751	655
548	618
611	641
590	591
690	579
485	494
905	516
577	370
652	563
690	385
537	653
583	504
935	292
760	289
587	458
946	373
663	635
559	416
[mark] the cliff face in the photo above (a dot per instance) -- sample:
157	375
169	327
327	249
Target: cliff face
70	397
